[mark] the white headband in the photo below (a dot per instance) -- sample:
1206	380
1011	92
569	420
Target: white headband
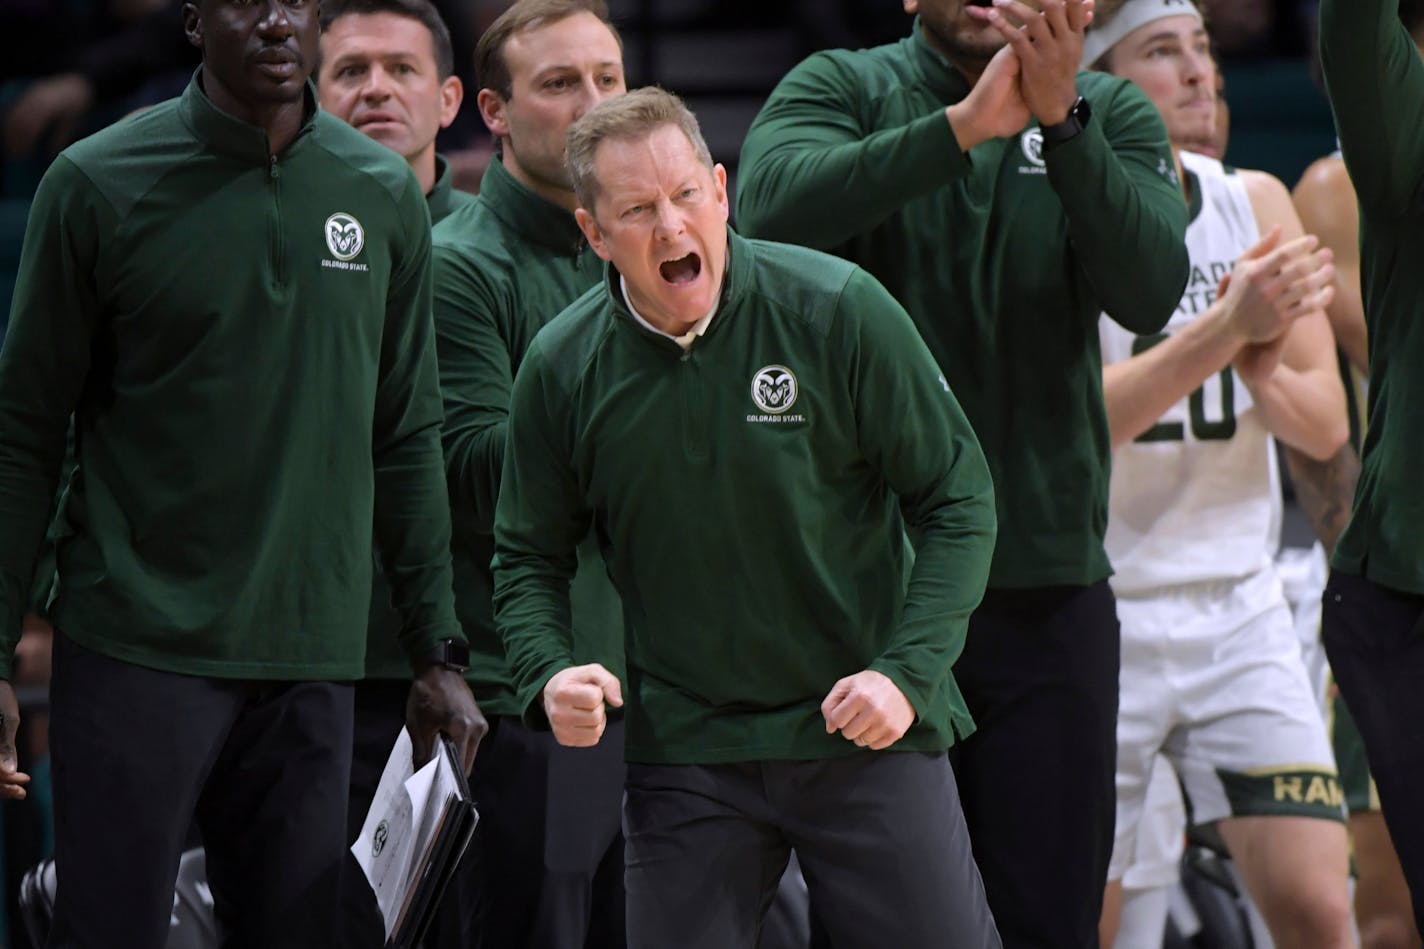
1134	13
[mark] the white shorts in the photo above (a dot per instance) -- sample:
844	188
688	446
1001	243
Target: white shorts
1161	834
1303	572
1212	677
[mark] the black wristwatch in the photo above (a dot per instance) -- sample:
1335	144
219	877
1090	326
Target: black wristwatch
450	654
1068	129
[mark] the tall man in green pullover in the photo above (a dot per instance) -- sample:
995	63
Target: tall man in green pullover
1006	201
1374	601
549	831
749	429
230	293
387	69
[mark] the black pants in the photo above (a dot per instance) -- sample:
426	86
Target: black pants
1040	674
138	753
879	835
549	839
1374	638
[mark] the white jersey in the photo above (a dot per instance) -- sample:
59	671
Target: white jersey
1196	497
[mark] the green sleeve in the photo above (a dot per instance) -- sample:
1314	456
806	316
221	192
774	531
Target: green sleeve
539	520
1376	81
54	320
412	508
911	428
476	376
809	143
1126	215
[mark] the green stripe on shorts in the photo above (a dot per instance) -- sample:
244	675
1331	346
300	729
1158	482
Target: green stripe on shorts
1289	791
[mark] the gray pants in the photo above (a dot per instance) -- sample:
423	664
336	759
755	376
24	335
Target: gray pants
880	836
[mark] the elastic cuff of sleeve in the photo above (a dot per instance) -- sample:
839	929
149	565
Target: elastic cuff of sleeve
418	647
918	701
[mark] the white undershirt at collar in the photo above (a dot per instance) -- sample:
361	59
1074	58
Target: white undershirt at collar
686	339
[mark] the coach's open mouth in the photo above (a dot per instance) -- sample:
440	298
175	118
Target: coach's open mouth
682	271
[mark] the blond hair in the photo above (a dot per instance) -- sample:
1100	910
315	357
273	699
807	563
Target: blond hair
629	117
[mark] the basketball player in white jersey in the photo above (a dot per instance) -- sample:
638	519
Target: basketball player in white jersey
1211	671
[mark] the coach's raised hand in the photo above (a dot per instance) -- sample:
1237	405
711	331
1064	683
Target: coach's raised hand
1048	42
576	701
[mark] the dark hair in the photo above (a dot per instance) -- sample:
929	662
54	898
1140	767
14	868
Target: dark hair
422	11
491	71
1412	13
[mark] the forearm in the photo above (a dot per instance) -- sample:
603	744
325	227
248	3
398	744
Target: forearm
412	527
805	147
476	379
1138	391
947	583
938	470
532	615
1304	409
539	522
1325	491
43	369
473	461
27	477
1126	222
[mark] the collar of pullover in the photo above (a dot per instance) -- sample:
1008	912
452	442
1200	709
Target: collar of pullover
526	213
438	200
946	82
229	135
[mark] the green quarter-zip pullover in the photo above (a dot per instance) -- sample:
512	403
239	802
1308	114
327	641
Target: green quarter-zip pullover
750	496
245	342
1376	82
1005	257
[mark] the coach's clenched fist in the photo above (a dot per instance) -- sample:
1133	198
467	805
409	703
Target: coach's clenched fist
868	709
574	702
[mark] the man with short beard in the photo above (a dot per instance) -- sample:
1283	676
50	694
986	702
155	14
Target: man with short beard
230	293
1006	201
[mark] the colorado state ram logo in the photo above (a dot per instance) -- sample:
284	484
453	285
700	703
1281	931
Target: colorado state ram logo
774	389
344	236
1032	145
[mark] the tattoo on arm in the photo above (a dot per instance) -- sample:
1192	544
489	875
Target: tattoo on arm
1325	490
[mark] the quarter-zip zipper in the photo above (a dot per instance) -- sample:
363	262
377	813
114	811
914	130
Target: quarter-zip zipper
694	409
279	275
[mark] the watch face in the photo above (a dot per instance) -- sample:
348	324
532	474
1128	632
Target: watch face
450	653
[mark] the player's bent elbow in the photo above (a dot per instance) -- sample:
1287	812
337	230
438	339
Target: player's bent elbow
1328	441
